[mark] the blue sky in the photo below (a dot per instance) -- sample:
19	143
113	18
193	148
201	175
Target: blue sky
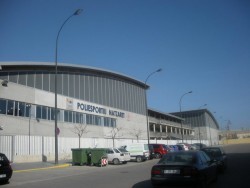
201	45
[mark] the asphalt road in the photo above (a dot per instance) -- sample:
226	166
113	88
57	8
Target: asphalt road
131	175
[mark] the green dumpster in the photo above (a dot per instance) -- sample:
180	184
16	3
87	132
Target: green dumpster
80	156
99	156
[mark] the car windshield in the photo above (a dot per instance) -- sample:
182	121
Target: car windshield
213	152
122	150
188	158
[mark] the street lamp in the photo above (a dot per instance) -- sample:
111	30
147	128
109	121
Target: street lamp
77	12
146	103
180	112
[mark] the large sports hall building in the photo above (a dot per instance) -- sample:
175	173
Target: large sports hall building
108	108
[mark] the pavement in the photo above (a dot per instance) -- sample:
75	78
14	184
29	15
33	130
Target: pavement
32	166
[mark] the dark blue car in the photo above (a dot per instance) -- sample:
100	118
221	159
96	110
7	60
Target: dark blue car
184	167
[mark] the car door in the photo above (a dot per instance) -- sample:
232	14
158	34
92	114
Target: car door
110	154
209	166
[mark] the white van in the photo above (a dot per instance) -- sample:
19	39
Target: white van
138	151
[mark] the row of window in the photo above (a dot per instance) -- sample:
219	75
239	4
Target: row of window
16	108
168	129
93	88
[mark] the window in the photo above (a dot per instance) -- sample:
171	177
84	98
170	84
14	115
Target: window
44	112
30	80
113	122
10	107
39	80
66	116
65	84
89	119
22	78
13	77
46	81
21	109
70	116
27	110
106	122
2	106
98	120
39	112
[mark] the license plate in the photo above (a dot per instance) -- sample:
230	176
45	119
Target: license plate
171	171
2	175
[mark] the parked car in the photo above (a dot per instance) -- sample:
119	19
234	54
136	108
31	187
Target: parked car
184	145
138	151
180	147
118	155
218	154
5	169
160	150
151	152
200	145
172	148
184	167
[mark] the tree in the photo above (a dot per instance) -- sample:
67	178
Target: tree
114	133
80	129
137	133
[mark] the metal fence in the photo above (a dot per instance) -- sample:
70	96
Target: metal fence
22	148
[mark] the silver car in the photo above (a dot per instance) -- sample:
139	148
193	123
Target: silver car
118	156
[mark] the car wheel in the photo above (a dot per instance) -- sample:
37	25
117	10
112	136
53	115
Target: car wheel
138	159
116	161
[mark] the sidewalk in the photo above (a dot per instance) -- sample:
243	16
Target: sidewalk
32	166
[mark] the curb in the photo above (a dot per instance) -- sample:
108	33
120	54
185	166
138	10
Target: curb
44	168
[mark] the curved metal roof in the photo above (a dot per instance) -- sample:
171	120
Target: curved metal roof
74	68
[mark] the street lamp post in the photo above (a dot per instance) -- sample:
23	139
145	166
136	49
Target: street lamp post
146	102
181	114
77	12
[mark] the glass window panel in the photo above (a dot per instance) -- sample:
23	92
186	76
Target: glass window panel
21	109
2	106
46	82
27	110
113	122
30	79
71	85
87	88
77	117
52	83
44	112
13	77
4	76
77	86
91	88
65	84
70	116
39	112
89	119
66	116
52	113
59	83
82	87
22	78
39	80
95	90
97	120
10	107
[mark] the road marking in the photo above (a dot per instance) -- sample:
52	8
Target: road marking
44	168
